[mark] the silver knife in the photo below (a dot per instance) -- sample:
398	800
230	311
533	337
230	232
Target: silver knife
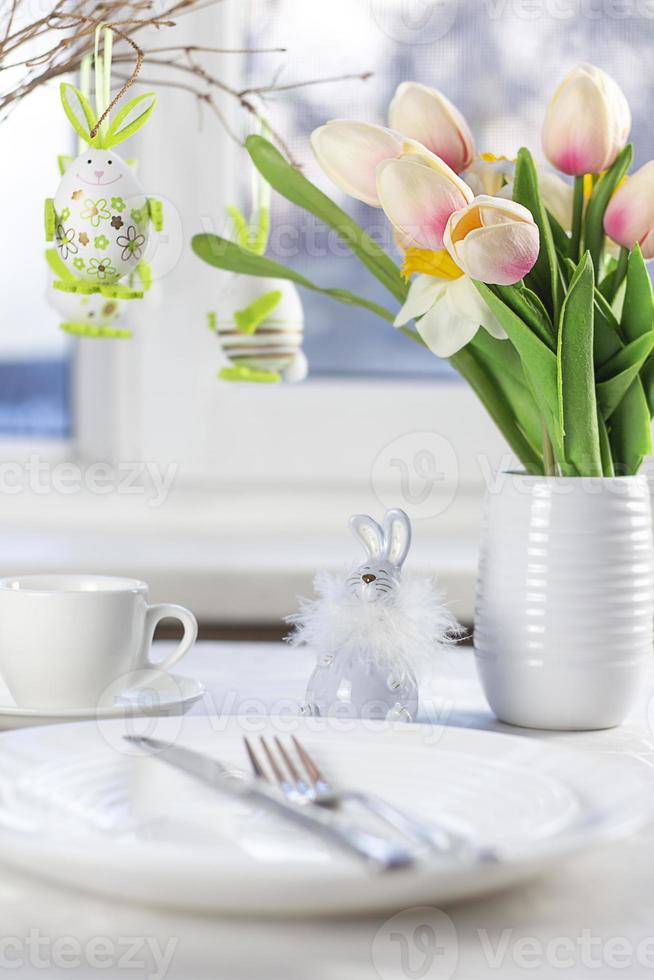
375	850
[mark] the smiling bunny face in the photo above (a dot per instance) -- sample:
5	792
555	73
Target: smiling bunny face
386	549
99	168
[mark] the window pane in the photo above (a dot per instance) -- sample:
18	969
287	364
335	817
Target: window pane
34	397
498	62
34	353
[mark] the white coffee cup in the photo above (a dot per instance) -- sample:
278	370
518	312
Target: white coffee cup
65	639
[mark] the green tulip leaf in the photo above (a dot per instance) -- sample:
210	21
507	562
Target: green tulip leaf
607	337
604	188
228	255
294	186
544	277
629	431
502	363
620	371
562	241
605	448
637	319
576	378
538	363
506	401
529	307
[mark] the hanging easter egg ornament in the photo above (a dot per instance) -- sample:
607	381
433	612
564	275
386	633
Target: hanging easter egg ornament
99	219
259	322
260	325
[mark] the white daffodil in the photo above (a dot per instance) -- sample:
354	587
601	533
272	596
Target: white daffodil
445	304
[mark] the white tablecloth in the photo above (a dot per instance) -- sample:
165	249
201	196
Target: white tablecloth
592	918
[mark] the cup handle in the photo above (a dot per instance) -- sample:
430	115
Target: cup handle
167	610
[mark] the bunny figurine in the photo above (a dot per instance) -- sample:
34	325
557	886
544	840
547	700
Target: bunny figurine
373	631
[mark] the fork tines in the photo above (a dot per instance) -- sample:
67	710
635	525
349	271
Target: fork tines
286	772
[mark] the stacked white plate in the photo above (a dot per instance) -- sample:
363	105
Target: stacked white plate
86	808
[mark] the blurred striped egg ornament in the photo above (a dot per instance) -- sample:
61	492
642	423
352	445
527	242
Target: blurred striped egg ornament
260	326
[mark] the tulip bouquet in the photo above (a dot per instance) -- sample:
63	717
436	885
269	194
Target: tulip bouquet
533	286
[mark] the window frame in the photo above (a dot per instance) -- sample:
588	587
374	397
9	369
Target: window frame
133	378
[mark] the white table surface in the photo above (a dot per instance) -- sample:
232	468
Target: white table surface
593	918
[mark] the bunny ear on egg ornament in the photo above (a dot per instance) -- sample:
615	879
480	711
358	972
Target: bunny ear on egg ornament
259	321
376	634
99	219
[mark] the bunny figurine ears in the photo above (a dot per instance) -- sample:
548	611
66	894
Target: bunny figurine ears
389	543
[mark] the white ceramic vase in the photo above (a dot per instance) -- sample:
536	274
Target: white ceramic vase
565	599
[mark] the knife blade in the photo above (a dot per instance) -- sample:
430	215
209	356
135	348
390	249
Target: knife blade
375	850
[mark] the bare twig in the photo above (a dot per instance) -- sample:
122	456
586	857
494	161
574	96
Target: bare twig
66	35
267	89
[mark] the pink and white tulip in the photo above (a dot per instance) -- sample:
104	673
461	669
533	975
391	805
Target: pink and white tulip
629	217
418	196
426	115
350	153
493	240
587	122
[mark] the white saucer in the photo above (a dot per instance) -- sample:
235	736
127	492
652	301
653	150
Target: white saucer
157	694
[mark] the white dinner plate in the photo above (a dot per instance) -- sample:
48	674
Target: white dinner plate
86	808
157	693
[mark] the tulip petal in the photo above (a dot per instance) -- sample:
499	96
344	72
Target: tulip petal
489	174
423	293
427	116
647	246
350	152
502	255
493	240
557	198
418	200
444	328
629	217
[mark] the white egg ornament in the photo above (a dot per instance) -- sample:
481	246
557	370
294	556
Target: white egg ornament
102	218
99	219
260	325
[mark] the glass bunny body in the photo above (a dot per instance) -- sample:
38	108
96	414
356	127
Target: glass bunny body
344	686
351	681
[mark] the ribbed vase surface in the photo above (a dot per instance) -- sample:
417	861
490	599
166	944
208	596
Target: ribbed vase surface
565	599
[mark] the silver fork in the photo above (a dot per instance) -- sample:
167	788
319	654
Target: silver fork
317	789
371	847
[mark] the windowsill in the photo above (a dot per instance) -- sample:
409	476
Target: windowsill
230	555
